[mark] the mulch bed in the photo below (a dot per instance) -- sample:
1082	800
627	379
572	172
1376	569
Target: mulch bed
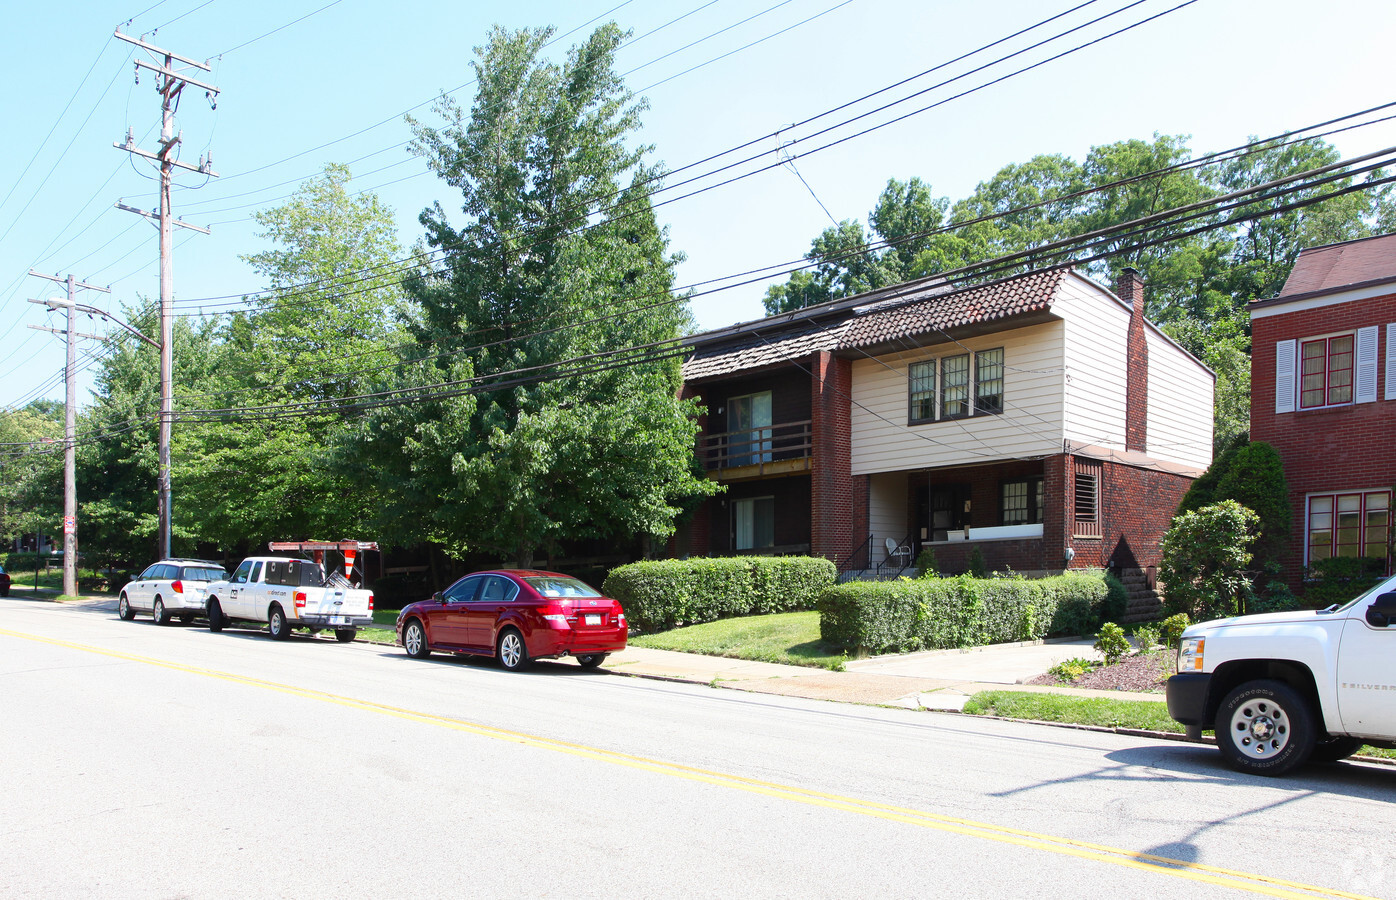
1142	672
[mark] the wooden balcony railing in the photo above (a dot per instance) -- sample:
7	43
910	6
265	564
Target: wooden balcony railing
770	448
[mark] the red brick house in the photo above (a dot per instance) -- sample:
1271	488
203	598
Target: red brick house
1323	393
1038	418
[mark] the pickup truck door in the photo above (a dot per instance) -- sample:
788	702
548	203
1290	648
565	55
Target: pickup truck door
1366	677
237	582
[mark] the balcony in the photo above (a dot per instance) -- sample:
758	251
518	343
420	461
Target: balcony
764	452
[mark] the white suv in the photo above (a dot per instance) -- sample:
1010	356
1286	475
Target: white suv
171	587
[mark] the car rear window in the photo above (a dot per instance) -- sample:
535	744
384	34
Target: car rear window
561	586
202	573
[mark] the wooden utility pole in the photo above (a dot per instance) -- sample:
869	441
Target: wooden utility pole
169	84
70	436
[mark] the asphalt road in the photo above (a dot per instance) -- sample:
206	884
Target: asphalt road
142	761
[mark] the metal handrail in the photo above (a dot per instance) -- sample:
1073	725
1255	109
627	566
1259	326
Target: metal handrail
752	446
858	560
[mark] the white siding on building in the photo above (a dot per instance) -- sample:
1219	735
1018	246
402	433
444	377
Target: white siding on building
1096	333
888	497
1030	425
1180	405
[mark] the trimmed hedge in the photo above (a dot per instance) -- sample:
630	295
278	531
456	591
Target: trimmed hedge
940	613
663	594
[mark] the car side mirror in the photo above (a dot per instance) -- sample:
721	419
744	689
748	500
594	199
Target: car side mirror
438	597
1382	610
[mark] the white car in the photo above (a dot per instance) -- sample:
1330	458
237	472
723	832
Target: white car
170	588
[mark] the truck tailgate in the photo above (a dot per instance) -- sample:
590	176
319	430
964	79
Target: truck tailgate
337	602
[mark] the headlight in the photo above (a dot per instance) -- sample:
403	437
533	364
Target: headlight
1190	654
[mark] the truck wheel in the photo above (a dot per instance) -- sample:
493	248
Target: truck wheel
591	660
513	653
215	615
276	623
161	617
345	635
1333	749
1265	728
124	610
414	640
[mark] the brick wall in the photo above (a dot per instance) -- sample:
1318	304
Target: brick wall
838	501
1130	289
1337	449
1137	506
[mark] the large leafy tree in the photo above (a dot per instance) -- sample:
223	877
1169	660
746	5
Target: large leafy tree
31	469
258	437
557	273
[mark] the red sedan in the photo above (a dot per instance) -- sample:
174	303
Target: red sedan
515	615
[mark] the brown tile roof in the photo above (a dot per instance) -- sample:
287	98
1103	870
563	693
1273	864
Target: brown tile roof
910	314
900	311
1336	266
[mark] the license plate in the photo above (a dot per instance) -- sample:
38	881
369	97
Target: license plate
592	620
336	620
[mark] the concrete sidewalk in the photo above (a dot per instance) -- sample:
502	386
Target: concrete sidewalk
938	679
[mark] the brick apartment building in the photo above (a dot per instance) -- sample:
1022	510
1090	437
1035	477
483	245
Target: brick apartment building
1038	418
1323	393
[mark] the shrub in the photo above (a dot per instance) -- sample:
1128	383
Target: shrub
1068	670
1171	629
1112	643
1255	479
891	616
926	564
1204	556
1147	637
662	594
977	566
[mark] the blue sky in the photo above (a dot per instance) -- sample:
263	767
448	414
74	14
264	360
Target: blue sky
313	92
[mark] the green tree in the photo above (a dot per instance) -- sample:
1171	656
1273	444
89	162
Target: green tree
550	285
31	469
1204	557
254	470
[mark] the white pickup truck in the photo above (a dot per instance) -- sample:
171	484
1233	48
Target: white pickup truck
293	593
1282	689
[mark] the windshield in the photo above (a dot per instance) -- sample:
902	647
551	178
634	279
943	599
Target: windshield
561	586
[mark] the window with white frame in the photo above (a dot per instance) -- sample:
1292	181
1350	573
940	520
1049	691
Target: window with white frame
1329	370
754	523
1347	524
954	387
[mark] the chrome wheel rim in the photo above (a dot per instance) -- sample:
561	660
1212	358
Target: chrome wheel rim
510	649
123	608
159	612
1260	729
414	639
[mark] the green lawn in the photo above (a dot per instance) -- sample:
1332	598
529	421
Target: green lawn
791	638
1104	712
383	630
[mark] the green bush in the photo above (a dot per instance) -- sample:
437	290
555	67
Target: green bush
926	564
1112	643
977	566
1341	578
903	615
1147	637
1203	560
1068	670
662	594
1171	630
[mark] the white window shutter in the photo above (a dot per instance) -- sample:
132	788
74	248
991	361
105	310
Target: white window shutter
1366	375
1391	362
1284	376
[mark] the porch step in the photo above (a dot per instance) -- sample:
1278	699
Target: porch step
1143	603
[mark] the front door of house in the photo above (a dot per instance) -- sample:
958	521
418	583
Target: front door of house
949	509
749	421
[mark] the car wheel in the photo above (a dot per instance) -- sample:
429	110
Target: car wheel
414	640
345	635
1265	728
277	624
591	660
1333	749
124	610
513	654
215	615
161	617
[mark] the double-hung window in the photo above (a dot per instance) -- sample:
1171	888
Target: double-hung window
923	392
1350	524
1020	502
1326	371
953	387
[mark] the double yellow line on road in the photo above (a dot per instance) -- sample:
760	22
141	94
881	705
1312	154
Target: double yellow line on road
1162	865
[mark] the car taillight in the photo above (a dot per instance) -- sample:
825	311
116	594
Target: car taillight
300	600
558	614
370	603
177	587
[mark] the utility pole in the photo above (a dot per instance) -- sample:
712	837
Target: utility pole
70	429
169	83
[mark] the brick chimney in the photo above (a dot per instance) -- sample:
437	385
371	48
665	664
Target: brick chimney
1130	288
